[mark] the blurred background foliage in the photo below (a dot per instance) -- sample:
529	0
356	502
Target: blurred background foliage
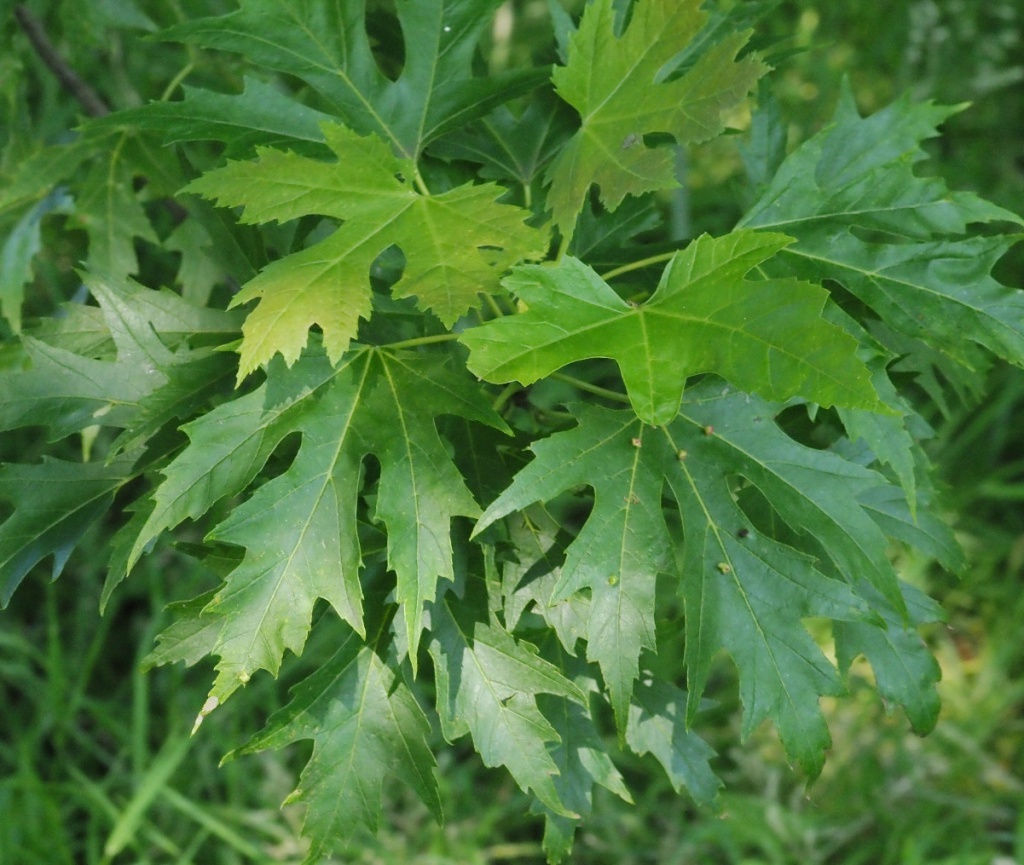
95	762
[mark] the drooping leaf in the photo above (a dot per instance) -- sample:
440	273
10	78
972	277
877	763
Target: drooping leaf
456	244
905	670
743	591
657	725
853	184
748	593
487	685
17	252
583	762
614	83
190	637
366	726
763	335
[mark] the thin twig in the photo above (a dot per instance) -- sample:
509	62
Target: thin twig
69	79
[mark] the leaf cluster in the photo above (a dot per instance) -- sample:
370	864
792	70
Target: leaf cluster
349	334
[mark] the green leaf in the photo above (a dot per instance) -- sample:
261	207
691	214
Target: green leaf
748	593
615	83
66	392
17	252
531	580
582	761
148	384
742	590
765	335
189	638
55	502
657	725
621	548
862	217
456	244
325	44
510	147
35	176
487	685
261	115
366	726
112	215
299	529
905	670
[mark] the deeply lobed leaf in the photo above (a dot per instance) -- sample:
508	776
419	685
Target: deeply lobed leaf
763	335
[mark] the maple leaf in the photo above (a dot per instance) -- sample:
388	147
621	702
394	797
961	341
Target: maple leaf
325	44
582	760
456	244
743	590
616	83
510	147
531	580
112	215
862	217
18	250
622	546
657	725
365	725
487	685
299	529
766	335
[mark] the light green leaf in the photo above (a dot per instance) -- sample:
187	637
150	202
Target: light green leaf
615	82
763	335
456	244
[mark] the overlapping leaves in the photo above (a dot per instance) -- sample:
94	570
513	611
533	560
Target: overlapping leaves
742	589
326	45
862	217
354	473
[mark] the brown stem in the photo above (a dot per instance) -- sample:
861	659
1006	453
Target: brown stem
68	78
